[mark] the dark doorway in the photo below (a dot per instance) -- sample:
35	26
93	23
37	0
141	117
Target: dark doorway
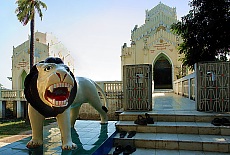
162	74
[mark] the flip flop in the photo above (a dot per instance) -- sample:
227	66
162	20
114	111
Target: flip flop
225	122
118	150
122	134
216	122
149	119
128	150
140	120
131	134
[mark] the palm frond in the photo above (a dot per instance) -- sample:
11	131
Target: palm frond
26	10
38	5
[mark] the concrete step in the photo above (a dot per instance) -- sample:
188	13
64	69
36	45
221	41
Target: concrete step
174	116
142	151
175	127
189	142
163	90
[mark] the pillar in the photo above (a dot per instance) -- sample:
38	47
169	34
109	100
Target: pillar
1	109
19	109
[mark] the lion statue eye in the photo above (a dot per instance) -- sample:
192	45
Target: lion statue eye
47	68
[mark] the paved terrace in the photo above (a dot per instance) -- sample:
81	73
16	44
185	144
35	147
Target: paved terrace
90	135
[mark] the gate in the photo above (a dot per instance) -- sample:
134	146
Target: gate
213	80
137	86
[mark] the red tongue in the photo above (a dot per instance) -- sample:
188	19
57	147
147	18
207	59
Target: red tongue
60	98
59	94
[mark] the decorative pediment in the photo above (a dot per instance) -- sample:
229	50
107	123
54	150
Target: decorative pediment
161	28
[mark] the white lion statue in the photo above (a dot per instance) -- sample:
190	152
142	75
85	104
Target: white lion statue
52	91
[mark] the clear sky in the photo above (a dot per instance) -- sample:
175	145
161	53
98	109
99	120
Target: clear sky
92	30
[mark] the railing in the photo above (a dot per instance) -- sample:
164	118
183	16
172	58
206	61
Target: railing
112	89
114	94
6	95
185	86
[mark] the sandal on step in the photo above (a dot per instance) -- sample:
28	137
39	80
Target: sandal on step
118	150
131	134
216	122
128	150
149	119
122	134
140	120
225	122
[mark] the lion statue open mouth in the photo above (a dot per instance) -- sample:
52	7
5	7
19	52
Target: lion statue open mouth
57	94
52	91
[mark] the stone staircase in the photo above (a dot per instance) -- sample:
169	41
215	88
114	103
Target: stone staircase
183	132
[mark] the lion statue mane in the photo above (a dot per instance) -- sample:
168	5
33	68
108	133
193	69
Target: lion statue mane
52	91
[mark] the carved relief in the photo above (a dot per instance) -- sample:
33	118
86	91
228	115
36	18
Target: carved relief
162	45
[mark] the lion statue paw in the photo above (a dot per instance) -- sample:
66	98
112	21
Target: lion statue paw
34	143
69	146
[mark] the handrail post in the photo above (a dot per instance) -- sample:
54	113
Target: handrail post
189	87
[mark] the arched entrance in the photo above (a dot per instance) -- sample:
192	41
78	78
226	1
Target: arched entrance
162	73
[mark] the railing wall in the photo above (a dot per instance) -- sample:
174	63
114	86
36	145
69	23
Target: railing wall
112	89
12	95
185	86
114	94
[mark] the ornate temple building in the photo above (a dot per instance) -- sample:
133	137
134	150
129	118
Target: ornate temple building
46	45
153	43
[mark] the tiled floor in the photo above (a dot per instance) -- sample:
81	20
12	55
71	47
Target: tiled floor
88	135
171	103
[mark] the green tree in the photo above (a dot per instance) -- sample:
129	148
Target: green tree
26	12
205	32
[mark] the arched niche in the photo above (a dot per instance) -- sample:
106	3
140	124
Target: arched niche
23	76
